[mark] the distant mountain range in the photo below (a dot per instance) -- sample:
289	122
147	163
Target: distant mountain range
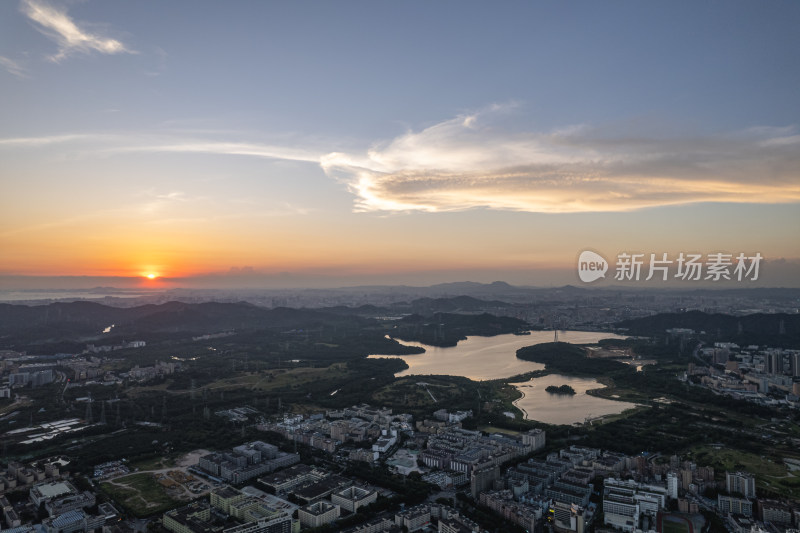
423	306
452	295
446	329
84	318
441	321
88	318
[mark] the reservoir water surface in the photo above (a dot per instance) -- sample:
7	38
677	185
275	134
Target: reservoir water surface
538	404
481	358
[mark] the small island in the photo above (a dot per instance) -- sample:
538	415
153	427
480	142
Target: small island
563	389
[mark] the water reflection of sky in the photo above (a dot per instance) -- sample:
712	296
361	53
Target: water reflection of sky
540	405
481	358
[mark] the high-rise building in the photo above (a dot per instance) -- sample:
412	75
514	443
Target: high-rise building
706	473
794	359
534	438
774	362
741	483
672	485
482	479
621	510
568	518
686	478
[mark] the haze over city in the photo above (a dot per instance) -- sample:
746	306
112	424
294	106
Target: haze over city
322	144
391	267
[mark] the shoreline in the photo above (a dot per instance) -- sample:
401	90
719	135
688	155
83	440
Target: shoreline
520	388
524	412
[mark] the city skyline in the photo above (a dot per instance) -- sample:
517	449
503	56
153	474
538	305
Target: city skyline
356	144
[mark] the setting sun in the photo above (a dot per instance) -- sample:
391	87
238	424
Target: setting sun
151	276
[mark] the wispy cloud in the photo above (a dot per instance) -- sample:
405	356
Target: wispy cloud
12	67
114	144
158	201
70	37
477	160
34	142
471	161
266	151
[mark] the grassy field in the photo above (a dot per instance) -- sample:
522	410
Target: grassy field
731	460
279	379
770	475
139	494
259	381
156	463
672	524
492	429
674	527
437	392
619	416
612	392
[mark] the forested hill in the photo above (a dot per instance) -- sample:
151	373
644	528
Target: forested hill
91	318
446	329
59	327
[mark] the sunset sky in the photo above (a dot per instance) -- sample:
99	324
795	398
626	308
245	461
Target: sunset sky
341	143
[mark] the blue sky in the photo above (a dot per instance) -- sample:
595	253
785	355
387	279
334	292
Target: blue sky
342	139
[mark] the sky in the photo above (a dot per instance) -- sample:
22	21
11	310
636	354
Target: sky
361	142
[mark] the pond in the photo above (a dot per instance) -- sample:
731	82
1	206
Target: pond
542	406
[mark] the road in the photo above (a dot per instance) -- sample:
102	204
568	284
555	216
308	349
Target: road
695	353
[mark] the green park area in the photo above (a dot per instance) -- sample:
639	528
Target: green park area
140	494
772	475
674	526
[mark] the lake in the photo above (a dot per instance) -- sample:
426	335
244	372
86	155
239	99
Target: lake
538	404
481	358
